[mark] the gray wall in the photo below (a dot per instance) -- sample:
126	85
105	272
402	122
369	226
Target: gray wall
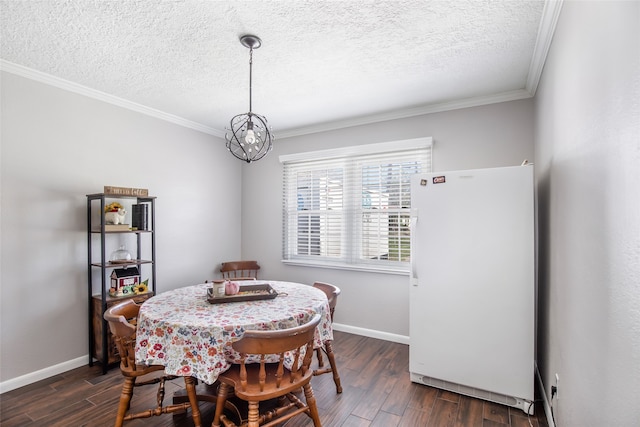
59	146
487	136
588	177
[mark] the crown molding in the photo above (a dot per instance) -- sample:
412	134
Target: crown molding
547	27
512	95
41	77
323	127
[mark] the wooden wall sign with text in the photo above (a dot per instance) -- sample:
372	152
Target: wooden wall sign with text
125	191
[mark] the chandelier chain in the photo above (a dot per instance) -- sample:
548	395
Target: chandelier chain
250	77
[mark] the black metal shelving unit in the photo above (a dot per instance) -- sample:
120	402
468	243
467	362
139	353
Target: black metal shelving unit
98	327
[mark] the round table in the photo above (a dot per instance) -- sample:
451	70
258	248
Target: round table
181	330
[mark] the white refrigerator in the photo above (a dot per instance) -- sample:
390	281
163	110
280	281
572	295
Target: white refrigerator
472	287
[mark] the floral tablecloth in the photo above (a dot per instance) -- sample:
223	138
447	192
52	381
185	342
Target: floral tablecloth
181	330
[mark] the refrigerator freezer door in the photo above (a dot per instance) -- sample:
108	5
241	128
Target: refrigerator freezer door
472	291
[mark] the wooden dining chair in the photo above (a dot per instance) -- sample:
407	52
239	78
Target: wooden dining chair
238	270
260	382
332	293
121	318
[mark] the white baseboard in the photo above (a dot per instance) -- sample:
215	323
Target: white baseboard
42	374
547	406
60	368
371	333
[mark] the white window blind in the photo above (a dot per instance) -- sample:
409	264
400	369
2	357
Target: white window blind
350	207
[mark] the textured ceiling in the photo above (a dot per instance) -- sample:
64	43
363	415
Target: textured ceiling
321	62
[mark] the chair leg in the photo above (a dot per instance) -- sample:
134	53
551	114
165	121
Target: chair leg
190	385
125	400
334	368
312	405
319	357
223	391
253	418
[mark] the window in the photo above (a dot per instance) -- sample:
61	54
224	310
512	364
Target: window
351	207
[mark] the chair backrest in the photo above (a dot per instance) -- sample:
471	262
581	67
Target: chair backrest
239	270
121	318
296	341
332	293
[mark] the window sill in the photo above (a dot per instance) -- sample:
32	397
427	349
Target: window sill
401	271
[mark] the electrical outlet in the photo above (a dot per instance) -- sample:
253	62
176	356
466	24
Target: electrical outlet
556	391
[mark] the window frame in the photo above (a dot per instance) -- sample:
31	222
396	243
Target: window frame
351	155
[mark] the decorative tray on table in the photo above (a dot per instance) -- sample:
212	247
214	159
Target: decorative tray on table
245	293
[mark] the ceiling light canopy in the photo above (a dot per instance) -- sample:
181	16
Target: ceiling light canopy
249	138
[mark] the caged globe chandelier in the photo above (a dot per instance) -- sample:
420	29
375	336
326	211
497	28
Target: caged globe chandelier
249	138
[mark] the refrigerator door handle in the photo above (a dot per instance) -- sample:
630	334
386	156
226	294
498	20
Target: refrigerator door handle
412	227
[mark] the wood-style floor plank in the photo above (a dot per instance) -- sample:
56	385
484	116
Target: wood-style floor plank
521	420
385	419
354	421
497	413
376	396
375	379
415	417
469	412
398	398
444	413
423	398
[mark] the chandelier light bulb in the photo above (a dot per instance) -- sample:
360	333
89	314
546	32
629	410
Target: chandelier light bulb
251	137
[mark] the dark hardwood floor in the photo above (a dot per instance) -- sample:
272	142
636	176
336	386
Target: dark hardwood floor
375	378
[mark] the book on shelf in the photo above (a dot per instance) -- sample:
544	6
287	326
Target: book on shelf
139	216
117	227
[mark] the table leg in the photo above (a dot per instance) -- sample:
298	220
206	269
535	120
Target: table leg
209	393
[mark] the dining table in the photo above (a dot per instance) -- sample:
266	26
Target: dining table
190	334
